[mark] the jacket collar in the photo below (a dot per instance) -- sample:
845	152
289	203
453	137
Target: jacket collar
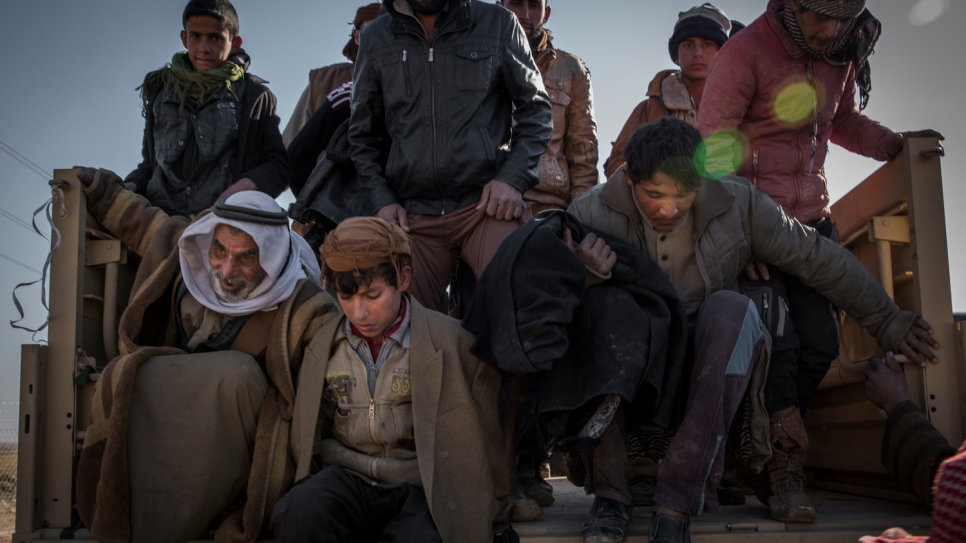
457	15
773	16
712	200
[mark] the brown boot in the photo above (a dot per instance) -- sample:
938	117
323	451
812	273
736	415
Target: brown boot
787	501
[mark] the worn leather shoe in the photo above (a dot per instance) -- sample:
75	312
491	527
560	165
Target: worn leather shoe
607	522
669	529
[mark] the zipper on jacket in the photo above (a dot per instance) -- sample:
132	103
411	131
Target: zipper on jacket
409	90
430	54
764	309
754	168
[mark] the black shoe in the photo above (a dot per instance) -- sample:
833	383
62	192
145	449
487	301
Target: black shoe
642	490
607	522
669	529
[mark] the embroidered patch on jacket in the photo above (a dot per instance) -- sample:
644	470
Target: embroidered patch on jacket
338	388
401	385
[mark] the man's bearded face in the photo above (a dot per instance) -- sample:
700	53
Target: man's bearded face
428	7
235	268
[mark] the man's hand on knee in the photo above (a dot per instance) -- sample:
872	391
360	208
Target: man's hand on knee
395	214
501	201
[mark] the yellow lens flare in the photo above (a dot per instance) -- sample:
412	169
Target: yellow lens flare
795	103
721	153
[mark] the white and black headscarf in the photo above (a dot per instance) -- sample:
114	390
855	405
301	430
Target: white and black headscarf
284	255
855	45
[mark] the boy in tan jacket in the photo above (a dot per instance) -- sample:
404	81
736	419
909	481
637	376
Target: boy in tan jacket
385	384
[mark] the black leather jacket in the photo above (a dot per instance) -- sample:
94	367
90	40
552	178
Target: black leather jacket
432	123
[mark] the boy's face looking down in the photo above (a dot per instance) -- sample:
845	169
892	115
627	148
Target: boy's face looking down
208	42
661	199
373	308
235	267
532	14
694	57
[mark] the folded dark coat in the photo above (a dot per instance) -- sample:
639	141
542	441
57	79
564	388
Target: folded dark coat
626	336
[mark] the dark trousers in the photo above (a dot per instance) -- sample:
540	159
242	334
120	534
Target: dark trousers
804	341
727	342
338	507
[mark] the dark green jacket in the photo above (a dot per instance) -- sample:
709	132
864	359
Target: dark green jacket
432	123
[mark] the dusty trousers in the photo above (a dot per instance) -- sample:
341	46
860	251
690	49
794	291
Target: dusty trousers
727	344
334	506
438	239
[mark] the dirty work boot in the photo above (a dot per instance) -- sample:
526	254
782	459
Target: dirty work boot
669	529
607	522
787	501
524	508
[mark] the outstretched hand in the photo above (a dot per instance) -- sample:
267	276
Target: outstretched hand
918	343
885	383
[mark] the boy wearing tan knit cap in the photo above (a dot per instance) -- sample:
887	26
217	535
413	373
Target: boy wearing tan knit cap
387	383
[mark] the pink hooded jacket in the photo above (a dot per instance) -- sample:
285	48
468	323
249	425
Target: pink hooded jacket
758	110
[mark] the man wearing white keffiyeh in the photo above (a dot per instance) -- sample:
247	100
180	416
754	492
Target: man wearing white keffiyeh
200	400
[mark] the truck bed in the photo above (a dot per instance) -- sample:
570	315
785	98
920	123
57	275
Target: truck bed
842	518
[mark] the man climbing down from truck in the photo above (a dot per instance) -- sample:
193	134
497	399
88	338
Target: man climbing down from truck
217	305
777	93
396	427
210	128
702	231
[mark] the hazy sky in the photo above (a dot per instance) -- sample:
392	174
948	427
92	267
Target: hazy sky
70	68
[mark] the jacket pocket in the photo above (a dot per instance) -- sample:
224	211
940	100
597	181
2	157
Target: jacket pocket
553	179
394	73
488	149
473	68
402	421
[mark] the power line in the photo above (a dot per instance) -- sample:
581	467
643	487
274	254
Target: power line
20	222
19	263
22	159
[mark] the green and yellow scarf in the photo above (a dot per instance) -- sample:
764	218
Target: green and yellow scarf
186	83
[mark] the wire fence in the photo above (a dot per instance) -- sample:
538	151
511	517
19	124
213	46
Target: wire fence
8	478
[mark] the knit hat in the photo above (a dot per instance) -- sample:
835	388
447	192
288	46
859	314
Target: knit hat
365	13
838	9
704	21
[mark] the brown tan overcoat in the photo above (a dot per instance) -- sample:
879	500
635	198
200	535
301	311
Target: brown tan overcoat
147	329
454	418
